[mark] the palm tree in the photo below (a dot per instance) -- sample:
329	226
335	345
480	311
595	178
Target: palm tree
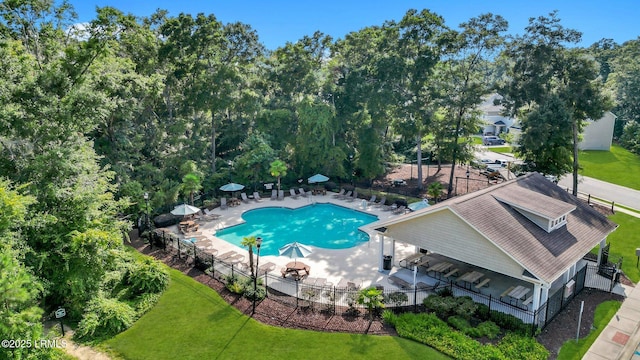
371	298
435	190
190	184
278	169
250	242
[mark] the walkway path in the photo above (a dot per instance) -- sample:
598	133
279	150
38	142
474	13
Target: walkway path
621	338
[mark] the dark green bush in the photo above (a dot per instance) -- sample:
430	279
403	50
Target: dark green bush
147	276
488	329
447	306
510	322
396	298
459	322
445	292
257	295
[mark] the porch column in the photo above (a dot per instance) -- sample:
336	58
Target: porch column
380	258
393	251
544	295
536	296
603	243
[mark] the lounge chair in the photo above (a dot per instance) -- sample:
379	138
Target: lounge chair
256	196
400	209
227	255
274	194
265	268
381	202
302	192
338	195
223	203
399	282
245	199
346	196
293	193
280	194
354	197
372	200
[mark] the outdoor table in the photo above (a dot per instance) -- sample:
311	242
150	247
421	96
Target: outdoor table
297	269
471	277
519	292
441	267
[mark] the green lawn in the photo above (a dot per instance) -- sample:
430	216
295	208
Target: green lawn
575	350
624	242
191	321
501	149
617	166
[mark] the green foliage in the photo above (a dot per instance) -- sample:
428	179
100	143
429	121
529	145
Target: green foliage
389	317
105	317
435	190
147	276
430	330
515	346
146	302
372	299
396	298
446	306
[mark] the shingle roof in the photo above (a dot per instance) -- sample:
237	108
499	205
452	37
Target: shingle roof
545	255
534	202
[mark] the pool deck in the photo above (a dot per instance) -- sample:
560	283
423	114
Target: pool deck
358	264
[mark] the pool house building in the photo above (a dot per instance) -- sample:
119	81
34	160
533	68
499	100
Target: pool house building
523	239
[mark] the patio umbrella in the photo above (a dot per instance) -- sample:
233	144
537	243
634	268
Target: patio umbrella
232	187
419	205
185	210
295	250
317	178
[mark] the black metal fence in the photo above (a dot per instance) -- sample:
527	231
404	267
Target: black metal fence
336	300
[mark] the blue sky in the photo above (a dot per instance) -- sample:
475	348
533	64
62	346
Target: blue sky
281	21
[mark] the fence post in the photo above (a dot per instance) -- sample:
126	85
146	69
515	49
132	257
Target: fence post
179	251
213	266
232	270
613	203
334	300
415	299
589	199
490	300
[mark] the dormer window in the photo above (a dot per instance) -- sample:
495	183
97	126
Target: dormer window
546	212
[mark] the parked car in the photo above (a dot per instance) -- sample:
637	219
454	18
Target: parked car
502	162
492	140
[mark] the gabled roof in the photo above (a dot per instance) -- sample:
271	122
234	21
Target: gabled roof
545	255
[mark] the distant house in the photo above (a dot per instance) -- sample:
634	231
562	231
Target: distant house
527	231
598	135
493	122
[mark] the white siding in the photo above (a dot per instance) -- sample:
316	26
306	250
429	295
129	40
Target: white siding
597	135
445	233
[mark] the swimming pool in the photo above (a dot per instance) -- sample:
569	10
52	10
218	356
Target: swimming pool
327	226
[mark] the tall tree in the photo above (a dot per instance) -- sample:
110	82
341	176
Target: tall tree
463	81
545	144
542	65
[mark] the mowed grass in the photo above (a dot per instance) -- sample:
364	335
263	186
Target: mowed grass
191	321
617	166
624	242
571	349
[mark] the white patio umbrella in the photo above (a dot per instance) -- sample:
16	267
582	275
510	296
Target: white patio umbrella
419	205
232	187
295	250
185	210
317	178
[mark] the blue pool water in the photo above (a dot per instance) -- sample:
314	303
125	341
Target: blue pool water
322	225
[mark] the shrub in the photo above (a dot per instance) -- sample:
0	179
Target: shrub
488	329
447	306
105	317
389	317
459	322
257	295
147	275
396	298
510	322
445	291
145	302
515	346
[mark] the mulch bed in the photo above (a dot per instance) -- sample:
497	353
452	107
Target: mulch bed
281	311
